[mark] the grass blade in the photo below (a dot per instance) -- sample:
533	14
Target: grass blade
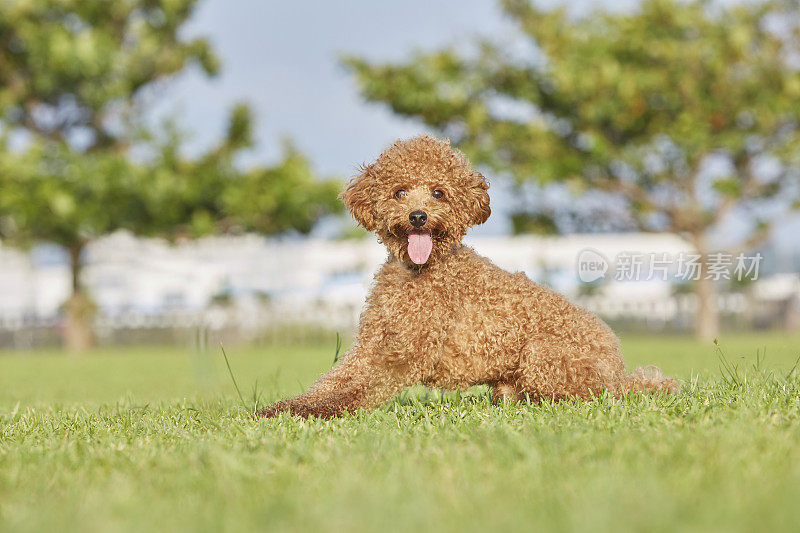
233	378
338	348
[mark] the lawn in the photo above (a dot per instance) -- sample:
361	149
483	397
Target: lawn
156	438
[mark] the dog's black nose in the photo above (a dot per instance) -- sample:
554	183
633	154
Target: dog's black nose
418	218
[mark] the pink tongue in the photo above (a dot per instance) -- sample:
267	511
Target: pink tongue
420	245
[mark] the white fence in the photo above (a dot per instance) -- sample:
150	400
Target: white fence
275	324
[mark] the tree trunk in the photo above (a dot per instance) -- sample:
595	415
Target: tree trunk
707	319
79	309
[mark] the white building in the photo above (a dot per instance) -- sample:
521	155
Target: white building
149	276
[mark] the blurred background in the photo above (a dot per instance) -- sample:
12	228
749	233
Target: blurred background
169	168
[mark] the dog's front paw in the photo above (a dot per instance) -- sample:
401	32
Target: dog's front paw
294	407
327	407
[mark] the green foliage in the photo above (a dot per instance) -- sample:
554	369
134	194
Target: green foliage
632	103
73	66
120	440
535	223
212	193
75	79
286	196
53	193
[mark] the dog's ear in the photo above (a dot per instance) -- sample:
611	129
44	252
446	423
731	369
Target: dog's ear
479	199
358	198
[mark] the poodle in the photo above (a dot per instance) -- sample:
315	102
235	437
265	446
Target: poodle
441	315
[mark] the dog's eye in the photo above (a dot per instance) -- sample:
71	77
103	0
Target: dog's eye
401	193
438	194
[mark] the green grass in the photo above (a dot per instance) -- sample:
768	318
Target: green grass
137	439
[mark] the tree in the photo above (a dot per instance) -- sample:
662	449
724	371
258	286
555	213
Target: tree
76	159
210	194
636	104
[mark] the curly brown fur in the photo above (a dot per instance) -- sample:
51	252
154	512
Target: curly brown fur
457	320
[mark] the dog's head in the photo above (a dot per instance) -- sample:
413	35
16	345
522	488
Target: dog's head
420	197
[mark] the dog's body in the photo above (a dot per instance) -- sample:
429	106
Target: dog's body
441	315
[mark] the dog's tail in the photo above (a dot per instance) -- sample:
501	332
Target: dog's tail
650	380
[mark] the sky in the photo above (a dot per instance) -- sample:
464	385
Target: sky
283	59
